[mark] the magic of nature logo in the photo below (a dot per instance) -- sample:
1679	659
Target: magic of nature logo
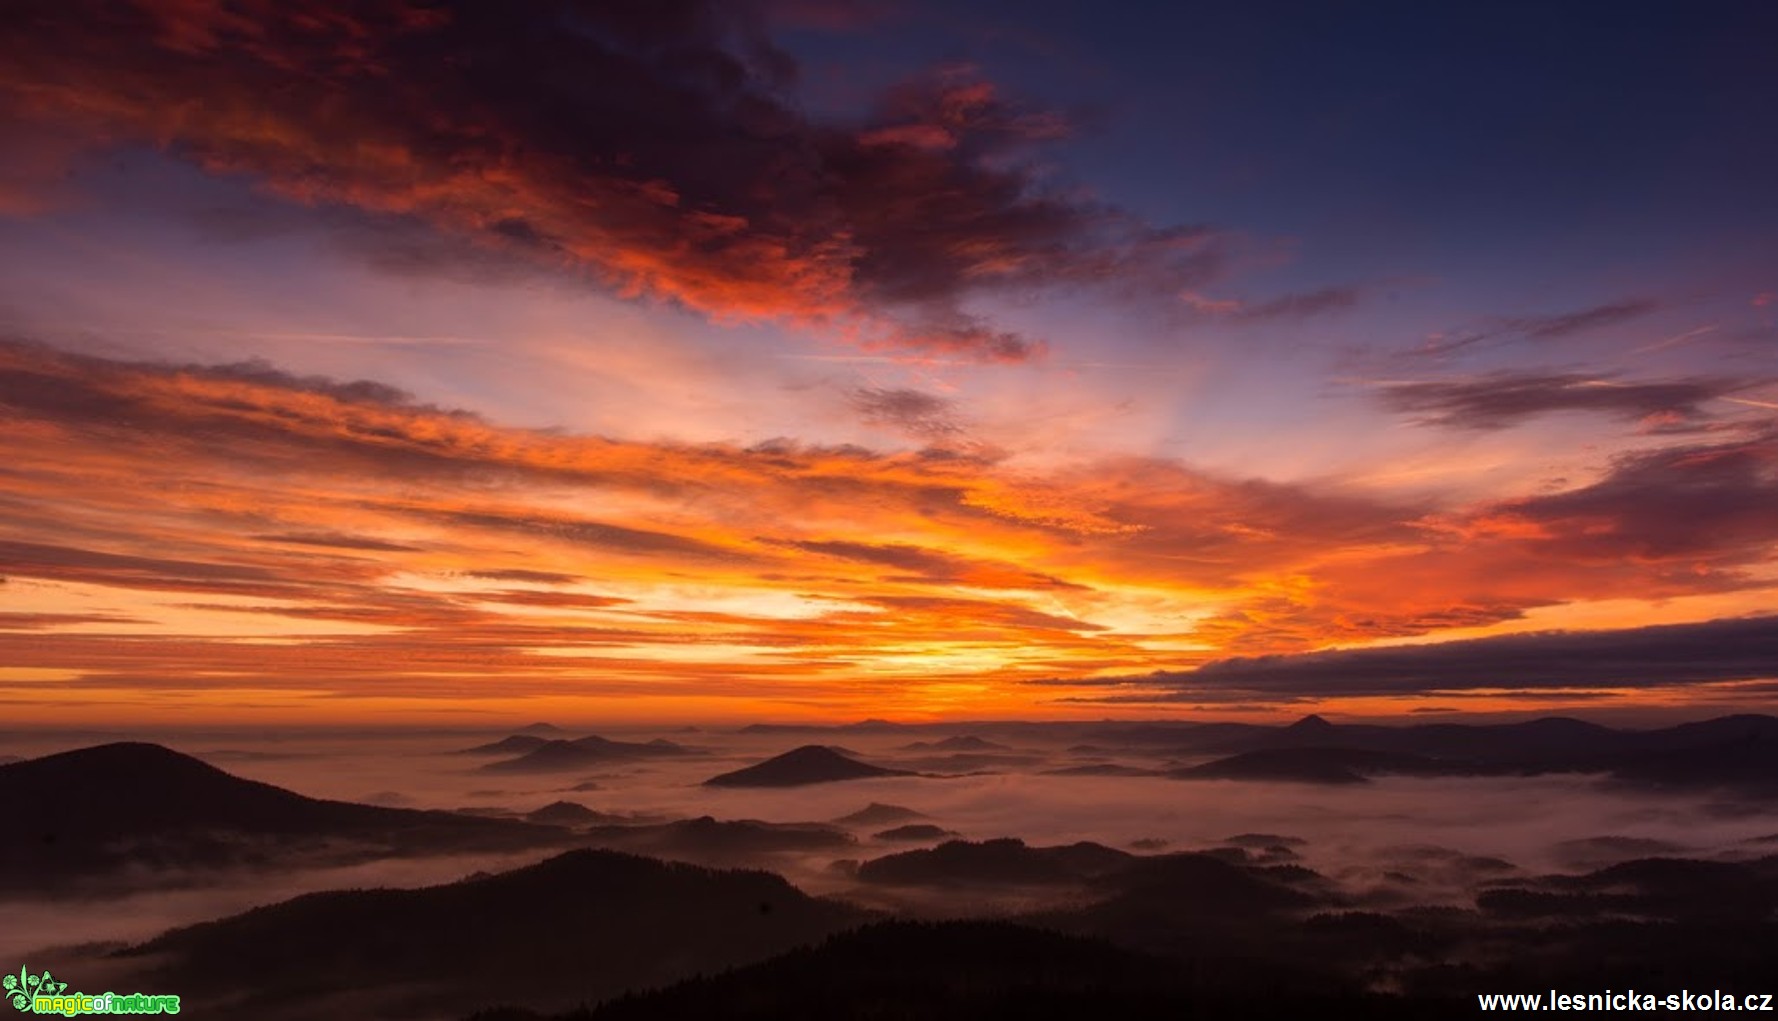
42	994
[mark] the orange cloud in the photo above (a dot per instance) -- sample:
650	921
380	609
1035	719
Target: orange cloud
205	533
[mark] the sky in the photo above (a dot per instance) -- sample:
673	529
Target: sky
385	360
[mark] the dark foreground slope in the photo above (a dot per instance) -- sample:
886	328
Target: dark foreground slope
974	971
581	927
1190	936
140	813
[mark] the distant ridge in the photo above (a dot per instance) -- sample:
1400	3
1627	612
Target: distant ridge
571	813
712	841
515	745
1310	724
960	743
1313	765
915	831
1005	861
592	750
809	764
92	814
878	814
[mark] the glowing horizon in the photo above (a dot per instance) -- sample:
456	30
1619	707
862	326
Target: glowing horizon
331	399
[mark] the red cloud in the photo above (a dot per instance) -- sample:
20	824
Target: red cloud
650	146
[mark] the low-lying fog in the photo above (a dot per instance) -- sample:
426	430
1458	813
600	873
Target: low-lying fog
1385	841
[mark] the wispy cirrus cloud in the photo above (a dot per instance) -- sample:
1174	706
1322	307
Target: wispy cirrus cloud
1547	327
1286	306
1503	399
1565	324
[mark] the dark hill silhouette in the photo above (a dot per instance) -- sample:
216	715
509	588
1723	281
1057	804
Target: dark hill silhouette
1263	841
550	757
1007	861
970	762
572	813
1545	745
1595	852
593	750
878	814
579	927
1680	889
1528	742
914	831
1747	763
542	729
1103	769
517	744
720	842
90	815
1260	943
1314	765
809	764
983	971
1738	754
961	743
1721	730
1202	884
1202	906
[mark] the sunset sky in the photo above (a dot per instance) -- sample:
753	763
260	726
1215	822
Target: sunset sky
446	361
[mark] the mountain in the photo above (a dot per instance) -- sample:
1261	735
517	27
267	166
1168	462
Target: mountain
970	762
1314	765
540	729
1310	726
1747	763
1203	907
571	813
963	743
1103	769
1678	889
92	815
549	757
914	831
1006	861
1202	885
1732	753
879	814
580	927
719	842
515	745
593	750
1718	731
809	764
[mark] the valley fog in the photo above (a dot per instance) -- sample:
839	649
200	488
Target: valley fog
1394	841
